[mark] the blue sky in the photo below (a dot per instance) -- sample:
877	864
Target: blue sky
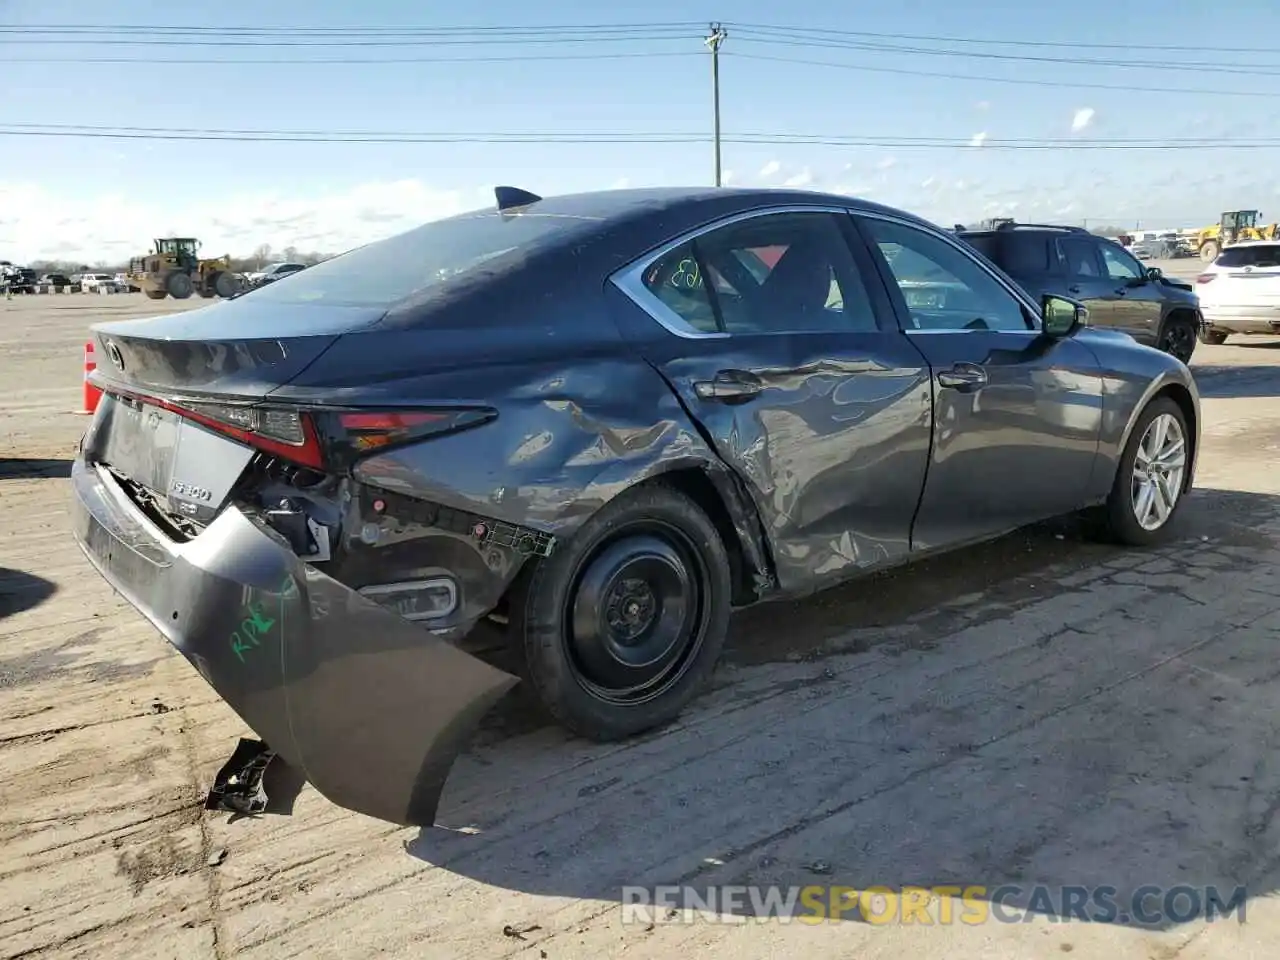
101	198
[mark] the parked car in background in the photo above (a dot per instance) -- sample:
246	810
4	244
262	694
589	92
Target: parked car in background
1120	292
89	282
122	283
55	281
274	272
23	280
604	420
1240	291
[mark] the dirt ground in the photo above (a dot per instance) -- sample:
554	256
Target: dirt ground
1041	710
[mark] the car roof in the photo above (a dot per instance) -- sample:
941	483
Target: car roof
635	202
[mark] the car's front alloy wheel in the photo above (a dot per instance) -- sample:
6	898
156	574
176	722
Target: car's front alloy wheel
622	627
1158	471
1151	478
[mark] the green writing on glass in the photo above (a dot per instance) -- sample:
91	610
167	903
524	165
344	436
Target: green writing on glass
257	623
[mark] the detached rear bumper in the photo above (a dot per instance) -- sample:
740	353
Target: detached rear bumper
371	709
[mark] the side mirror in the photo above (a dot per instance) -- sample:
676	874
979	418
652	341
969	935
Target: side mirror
1154	273
1062	316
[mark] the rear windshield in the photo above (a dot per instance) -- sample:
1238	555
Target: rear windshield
1261	255
388	271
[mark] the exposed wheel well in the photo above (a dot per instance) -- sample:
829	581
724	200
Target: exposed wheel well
698	487
1182	397
1181	313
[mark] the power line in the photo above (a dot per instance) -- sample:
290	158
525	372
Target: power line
1014	81
772	139
363	61
352	29
823	43
1058	44
240	40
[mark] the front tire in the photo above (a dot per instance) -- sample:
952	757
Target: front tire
179	286
624	625
1178	339
1149	485
1209	252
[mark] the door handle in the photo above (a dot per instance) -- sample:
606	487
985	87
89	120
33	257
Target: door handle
729	385
1075	289
963	376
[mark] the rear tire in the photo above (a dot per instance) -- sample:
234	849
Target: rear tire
1152	471
1215	337
179	286
624	624
224	284
1210	250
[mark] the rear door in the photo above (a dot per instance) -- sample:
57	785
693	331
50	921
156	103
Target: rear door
794	371
1087	280
1017	416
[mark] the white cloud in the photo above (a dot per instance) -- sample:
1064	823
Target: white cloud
769	169
982	105
887	162
621	183
1082	118
928	182
978	139
801	179
37	223
726	176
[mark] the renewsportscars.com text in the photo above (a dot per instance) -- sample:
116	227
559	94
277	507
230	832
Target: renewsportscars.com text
941	905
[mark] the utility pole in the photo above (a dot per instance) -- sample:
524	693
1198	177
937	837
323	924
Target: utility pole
713	42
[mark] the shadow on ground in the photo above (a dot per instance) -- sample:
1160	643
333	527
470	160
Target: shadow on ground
1224	381
21	591
21	469
1041	710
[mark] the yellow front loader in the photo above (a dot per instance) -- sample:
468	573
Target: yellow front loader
174	269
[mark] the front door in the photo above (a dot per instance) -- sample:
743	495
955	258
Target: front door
780	355
1139	300
1017	416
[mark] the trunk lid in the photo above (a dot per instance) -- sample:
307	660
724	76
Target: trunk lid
238	351
239	347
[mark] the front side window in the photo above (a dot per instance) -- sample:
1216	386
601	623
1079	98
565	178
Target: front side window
776	273
944	287
1120	265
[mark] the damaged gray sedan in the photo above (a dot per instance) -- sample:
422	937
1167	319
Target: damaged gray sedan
603	420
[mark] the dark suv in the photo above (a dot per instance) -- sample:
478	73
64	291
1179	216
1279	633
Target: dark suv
1118	290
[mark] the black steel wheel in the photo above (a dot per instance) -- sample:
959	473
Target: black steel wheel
623	625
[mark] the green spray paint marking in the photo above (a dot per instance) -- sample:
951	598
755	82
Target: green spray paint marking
256	625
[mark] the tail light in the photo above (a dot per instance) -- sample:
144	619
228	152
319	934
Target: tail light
1206	277
321	438
352	434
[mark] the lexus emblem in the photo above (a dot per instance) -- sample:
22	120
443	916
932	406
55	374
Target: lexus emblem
117	358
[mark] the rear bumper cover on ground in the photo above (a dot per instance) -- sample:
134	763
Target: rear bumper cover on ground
370	708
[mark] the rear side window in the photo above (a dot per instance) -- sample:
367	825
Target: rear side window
388	271
1026	254
776	273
